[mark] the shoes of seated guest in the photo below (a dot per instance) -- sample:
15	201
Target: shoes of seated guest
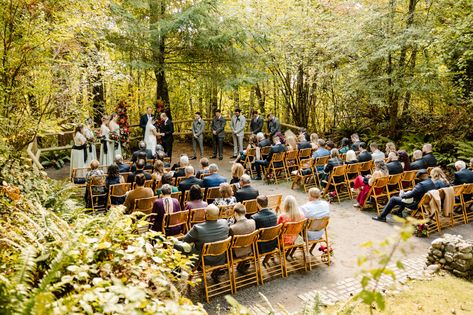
213	157
193	158
257	178
378	218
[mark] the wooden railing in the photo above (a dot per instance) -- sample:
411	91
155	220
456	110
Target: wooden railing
181	128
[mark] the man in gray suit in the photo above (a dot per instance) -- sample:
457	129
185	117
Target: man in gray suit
198	127
238	131
218	131
273	125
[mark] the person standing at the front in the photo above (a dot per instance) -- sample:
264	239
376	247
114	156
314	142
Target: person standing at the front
238	123
198	127
167	129
218	132
144	119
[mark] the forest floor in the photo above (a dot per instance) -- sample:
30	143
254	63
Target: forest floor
348	229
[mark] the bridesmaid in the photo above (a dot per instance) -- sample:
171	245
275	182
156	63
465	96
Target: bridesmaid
115	135
90	136
79	151
106	148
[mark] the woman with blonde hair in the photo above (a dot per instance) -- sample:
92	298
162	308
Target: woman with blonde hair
291	143
390	147
350	157
439	178
314	138
237	171
290	213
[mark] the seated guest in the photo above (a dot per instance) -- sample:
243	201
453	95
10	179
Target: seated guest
246	191
262	141
408	199
376	154
303	135
364	155
165	205
355	140
321	151
315	208
418	162
226	193
362	184
214	179
241	226
263	219
167	179
303	143
139	192
329	145
429	158
344	146
190	180
404	159
439	178
332	162
390	147
122	167
179	169
141	153
290	213
394	165
90	177
140	165
252	144
212	230
195	198
237	171
462	175
278	147
350	157
314	140
113	178
158	171
291	143
160	155
204	167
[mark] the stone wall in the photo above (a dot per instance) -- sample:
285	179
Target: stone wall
452	253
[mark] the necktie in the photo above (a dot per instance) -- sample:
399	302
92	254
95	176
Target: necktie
238	119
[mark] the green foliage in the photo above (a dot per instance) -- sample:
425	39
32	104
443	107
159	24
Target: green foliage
465	150
55	159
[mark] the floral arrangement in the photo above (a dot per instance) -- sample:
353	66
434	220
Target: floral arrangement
421	230
326	249
122	121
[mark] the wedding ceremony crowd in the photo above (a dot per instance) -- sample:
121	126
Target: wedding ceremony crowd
178	186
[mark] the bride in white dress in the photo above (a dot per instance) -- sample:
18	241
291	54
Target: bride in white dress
115	129
150	136
106	158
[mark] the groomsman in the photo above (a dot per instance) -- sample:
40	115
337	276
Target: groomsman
256	124
198	127
144	119
273	125
167	129
218	132
237	124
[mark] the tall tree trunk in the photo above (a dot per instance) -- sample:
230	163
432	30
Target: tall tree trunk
261	96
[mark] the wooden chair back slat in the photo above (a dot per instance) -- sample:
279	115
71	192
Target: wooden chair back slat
244	241
274	201
145	205
317	224
293	228
251	206
216	248
197	216
226	211
270	233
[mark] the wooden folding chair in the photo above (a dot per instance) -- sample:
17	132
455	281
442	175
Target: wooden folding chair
276	168
291	161
379	192
196	216
274	202
457	216
394	185
351	173
177	195
308	180
317	225
212	194
338	172
424	212
117	191
320	163
216	249
180	179
366	167
145	206
78	175
187	195
408	180
239	242
264	152
175	219
226	211
251	207
293	229
304	154
97	193
266	237
234	188
466	201
125	175
250	157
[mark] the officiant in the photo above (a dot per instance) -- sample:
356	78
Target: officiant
144	119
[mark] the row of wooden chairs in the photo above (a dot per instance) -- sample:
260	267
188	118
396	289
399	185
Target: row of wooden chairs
260	270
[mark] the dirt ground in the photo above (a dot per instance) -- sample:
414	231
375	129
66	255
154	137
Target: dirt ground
348	229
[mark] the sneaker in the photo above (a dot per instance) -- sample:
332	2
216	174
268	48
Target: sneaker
380	219
357	205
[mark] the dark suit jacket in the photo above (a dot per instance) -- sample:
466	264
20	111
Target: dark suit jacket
141	154
418	192
418	165
264	143
331	163
131	177
168	129
187	183
274	126
256	125
207	232
364	156
144	122
263	219
123	167
395	167
218	125
304	145
213	180
430	160
275	149
465	176
180	173
246	193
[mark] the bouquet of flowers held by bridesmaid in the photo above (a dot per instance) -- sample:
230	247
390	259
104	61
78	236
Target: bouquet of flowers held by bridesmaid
115	136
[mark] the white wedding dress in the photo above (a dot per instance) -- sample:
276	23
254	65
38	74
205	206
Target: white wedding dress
150	137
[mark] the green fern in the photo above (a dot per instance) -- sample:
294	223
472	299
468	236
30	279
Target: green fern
465	150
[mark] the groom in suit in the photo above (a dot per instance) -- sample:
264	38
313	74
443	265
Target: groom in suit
198	126
218	131
237	124
167	129
144	119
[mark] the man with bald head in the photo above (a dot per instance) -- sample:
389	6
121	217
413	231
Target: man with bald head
315	208
429	158
190	180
